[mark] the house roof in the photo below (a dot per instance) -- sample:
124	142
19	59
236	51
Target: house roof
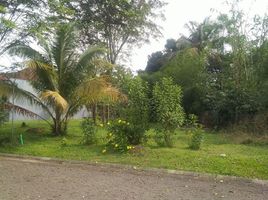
25	74
2	77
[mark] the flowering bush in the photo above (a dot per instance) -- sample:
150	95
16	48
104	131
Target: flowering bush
121	137
136	110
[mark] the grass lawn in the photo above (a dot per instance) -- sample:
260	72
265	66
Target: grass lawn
241	160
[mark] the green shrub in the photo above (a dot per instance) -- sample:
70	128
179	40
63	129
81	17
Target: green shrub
23	125
192	121
89	131
136	111
196	141
122	135
169	112
196	132
164	139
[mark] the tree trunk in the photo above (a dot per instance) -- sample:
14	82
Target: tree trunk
57	127
94	113
108	113
103	114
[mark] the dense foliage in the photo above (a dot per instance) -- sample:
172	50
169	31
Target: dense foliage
89	131
122	135
136	109
169	113
221	67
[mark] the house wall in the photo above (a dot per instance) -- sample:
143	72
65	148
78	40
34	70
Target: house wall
24	84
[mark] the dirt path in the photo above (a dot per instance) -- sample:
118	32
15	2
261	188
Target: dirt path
22	179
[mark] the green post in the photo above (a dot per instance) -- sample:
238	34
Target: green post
21	139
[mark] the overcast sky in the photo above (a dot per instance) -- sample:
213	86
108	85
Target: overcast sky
178	13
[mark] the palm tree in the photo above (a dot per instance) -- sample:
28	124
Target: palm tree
58	73
105	96
202	34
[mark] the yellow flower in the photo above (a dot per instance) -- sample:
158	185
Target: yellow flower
128	123
119	121
128	147
101	125
104	151
110	134
108	123
116	145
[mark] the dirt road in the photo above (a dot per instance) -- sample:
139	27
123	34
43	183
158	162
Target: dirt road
31	179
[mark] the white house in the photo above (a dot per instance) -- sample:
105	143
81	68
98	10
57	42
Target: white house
24	84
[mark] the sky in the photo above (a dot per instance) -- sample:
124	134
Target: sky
177	14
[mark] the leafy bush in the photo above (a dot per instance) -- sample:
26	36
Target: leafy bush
89	131
136	112
169	112
164	138
192	121
23	125
122	135
196	141
196	132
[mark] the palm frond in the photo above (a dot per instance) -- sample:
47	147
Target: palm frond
54	98
5	88
20	110
26	51
92	87
38	64
112	94
9	89
64	46
43	74
99	90
87	56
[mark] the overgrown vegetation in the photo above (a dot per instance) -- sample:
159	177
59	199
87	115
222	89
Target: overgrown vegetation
221	67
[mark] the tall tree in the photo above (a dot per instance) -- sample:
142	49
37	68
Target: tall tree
118	24
19	20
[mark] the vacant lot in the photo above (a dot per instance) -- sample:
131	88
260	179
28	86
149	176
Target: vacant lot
245	160
46	180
